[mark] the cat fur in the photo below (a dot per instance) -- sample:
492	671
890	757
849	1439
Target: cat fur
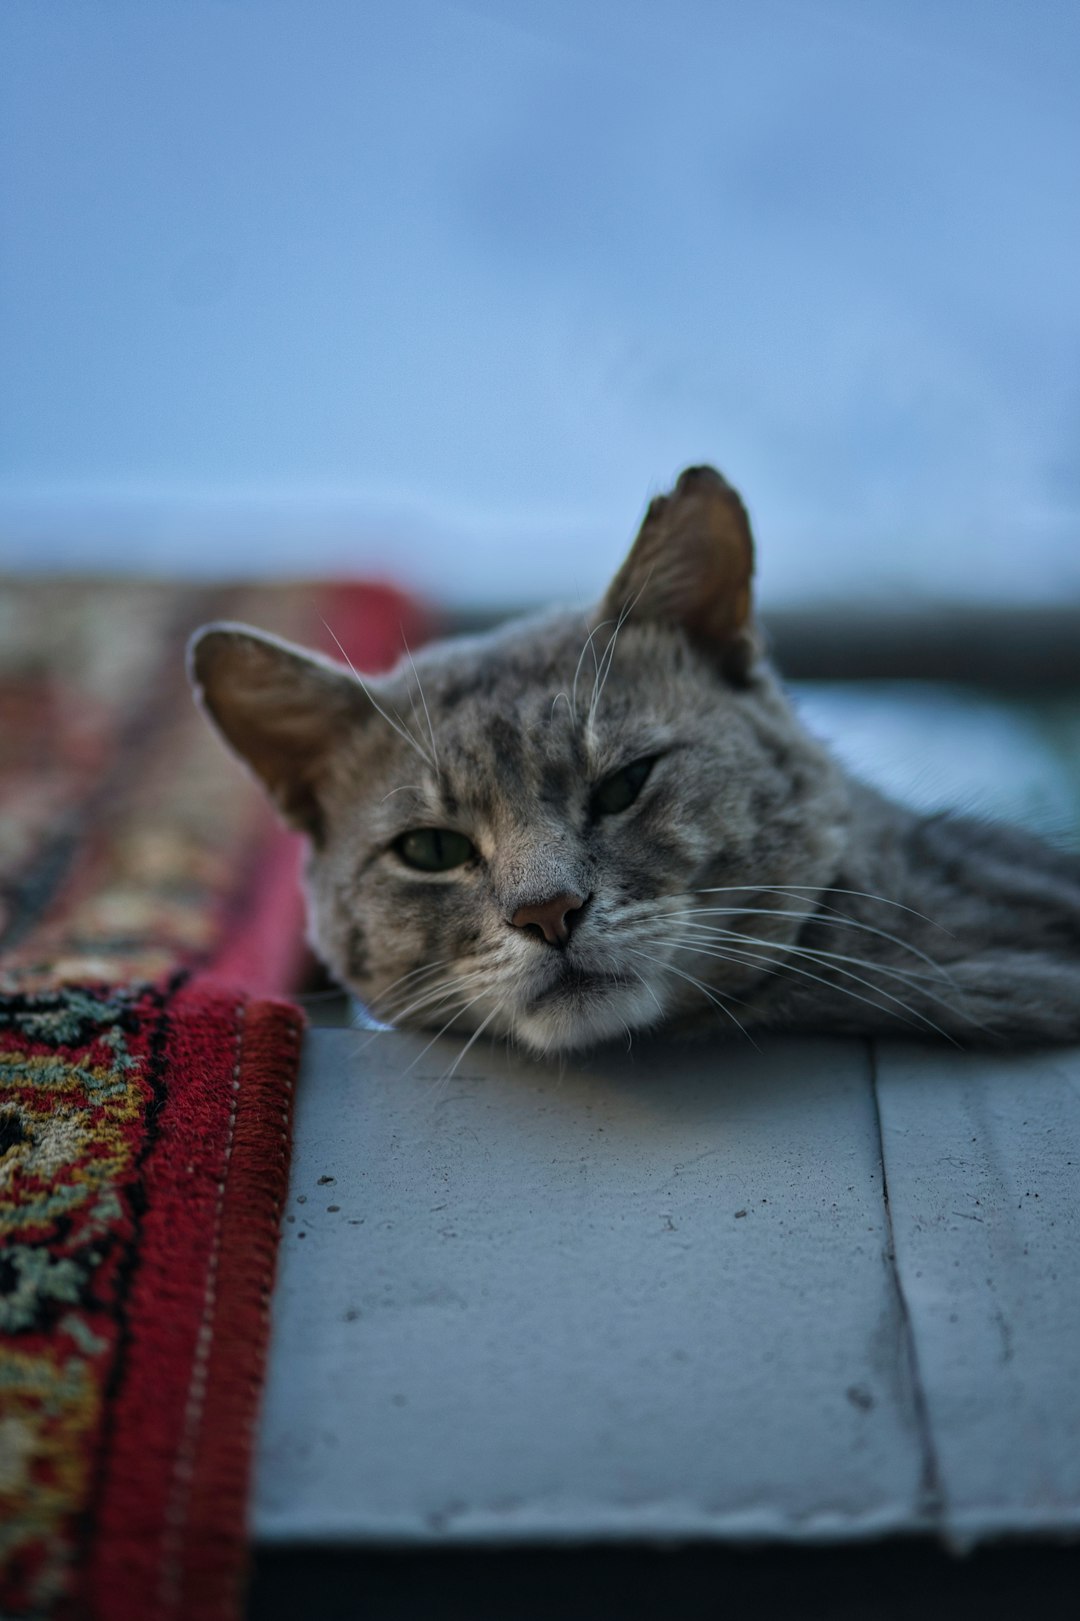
753	882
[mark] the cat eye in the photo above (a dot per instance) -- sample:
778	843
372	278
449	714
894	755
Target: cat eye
618	792
434	849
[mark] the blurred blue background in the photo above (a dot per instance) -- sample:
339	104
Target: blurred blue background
447	290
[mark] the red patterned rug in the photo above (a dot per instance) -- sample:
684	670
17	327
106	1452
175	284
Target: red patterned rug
149	918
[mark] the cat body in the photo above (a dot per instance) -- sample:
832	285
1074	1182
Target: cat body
574	828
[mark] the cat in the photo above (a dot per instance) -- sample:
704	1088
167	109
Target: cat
564	834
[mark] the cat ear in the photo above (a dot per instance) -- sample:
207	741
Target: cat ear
281	709
691	566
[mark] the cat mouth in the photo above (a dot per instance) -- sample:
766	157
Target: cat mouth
573	984
580	1006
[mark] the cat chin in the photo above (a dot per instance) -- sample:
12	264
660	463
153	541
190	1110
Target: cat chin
576	1022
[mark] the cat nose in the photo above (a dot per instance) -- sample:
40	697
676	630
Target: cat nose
554	918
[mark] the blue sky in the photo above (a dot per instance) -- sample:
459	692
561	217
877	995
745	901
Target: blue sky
450	289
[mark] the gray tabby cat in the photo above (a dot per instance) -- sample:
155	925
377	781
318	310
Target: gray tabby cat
561	835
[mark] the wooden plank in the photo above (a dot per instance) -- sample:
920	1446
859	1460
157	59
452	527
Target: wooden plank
982	1152
644	1296
982	1158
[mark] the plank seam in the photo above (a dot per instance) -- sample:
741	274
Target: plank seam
931	1486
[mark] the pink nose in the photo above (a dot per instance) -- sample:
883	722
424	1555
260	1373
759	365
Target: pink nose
551	917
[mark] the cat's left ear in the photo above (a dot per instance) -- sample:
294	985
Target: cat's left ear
691	566
283	710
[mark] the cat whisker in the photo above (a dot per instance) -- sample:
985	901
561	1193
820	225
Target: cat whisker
376	1005
778	968
670	968
477	1033
604	667
398	725
423	700
842	921
688	918
581	659
826	889
428	1000
413	973
737	954
907	976
937	973
412	702
406	788
453	1020
434	1004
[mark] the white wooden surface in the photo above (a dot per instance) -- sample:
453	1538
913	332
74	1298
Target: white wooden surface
664	1294
616	1300
982	1159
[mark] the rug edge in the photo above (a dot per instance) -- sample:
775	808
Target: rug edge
170	1523
215	1570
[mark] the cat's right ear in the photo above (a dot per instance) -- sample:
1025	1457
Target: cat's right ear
691	567
280	708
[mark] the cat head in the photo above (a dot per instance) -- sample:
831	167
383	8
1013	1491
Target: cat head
531	831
